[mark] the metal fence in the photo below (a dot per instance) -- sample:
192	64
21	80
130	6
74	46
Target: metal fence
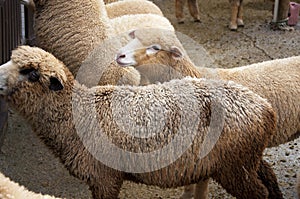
16	28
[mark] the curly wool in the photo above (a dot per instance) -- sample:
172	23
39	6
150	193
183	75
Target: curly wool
241	143
12	190
121	8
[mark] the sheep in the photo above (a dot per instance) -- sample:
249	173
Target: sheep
12	190
83	26
162	61
41	88
270	79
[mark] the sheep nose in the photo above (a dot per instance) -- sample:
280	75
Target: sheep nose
119	57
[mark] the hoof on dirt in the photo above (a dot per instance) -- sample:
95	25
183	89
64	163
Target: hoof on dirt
240	23
233	28
197	20
180	21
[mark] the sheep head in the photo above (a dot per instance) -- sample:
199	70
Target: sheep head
31	72
139	51
155	62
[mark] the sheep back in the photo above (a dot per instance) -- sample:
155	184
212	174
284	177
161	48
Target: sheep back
248	124
279	82
117	9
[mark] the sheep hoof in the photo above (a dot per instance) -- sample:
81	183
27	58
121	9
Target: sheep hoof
233	28
180	21
240	23
197	21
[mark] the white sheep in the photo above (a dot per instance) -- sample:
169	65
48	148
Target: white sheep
276	80
84	123
160	59
12	190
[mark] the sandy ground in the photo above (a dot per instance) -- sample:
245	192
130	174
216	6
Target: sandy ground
26	160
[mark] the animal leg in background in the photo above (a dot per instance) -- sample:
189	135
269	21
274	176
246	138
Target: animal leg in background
194	9
179	4
236	14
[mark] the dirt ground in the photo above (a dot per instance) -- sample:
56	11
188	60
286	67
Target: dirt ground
26	160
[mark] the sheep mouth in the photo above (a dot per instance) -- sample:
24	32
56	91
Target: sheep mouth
124	64
3	90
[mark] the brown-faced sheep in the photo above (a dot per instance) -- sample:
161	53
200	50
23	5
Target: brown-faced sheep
12	190
220	129
271	79
81	26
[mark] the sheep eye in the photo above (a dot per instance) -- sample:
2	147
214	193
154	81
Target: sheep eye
156	47
32	74
26	71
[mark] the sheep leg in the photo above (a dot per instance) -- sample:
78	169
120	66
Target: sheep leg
268	178
106	187
241	183
188	192
234	13
198	191
201	190
179	5
194	10
240	22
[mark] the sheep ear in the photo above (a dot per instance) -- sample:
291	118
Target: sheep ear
132	34
55	84
176	52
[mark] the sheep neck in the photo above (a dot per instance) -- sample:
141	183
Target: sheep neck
50	117
73	29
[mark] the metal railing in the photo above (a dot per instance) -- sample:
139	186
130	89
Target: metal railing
16	28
